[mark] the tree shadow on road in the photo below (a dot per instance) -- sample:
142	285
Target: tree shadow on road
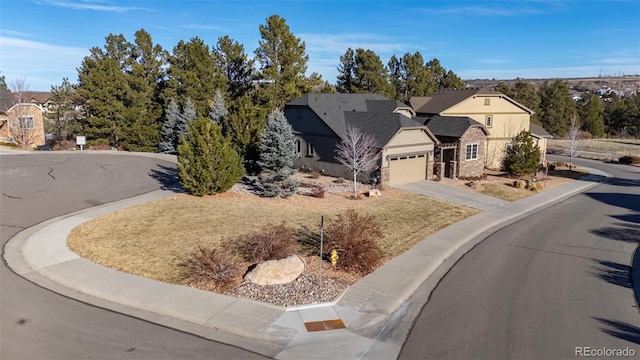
625	201
167	177
621	232
613	273
620	329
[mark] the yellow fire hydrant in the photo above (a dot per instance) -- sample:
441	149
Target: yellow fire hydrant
334	257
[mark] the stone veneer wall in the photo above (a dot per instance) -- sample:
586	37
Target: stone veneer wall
471	168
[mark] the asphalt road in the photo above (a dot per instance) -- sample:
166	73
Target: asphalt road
36	323
539	288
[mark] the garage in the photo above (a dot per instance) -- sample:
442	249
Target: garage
410	168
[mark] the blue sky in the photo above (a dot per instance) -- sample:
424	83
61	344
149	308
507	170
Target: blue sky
46	40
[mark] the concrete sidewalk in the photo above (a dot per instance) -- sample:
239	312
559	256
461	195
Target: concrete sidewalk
453	194
377	311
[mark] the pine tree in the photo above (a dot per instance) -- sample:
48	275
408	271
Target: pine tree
218	110
346	70
523	156
556	107
244	126
168	140
277	153
370	75
591	112
233	63
207	163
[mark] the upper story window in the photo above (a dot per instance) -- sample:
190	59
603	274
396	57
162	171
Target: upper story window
26	122
311	150
488	120
487	101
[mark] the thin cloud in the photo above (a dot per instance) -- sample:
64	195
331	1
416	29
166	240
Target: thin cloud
547	73
95	7
493	61
339	43
204	27
497	9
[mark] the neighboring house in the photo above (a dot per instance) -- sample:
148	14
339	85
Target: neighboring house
21	123
319	122
502	116
40	98
461	151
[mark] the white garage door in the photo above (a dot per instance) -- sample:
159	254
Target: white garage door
404	169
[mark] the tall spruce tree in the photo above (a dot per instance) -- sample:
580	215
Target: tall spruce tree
277	154
207	163
168	138
187	115
523	156
218	110
346	71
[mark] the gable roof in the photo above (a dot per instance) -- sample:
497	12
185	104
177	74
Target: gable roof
6	100
438	102
39	97
538	131
372	113
452	126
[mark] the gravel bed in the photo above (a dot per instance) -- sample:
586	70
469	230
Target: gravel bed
302	291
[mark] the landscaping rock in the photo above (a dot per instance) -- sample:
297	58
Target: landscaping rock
273	272
374	193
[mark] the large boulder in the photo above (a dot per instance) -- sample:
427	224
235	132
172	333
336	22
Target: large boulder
273	272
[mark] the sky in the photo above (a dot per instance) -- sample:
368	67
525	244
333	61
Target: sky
44	41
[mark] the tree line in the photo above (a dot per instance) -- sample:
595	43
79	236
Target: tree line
130	95
596	116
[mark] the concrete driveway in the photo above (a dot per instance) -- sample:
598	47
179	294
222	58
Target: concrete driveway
453	194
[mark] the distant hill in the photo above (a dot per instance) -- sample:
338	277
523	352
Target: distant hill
619	83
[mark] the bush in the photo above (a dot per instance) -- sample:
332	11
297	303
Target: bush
536	186
552	167
523	156
214	266
339	180
520	184
354	236
272	243
629	160
318	192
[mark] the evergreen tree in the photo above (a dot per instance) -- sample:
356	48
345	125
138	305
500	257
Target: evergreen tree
193	74
556	107
410	77
168	136
441	78
525	93
244	126
591	112
277	154
283	64
3	82
218	111
370	75
182	125
64	113
207	163
346	71
236	68
523	156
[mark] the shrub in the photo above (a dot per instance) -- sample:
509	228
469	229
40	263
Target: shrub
318	192
520	184
354	236
523	156
272	243
629	159
536	186
213	266
315	175
339	180
552	167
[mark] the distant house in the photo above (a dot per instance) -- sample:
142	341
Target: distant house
20	123
502	117
461	151
319	122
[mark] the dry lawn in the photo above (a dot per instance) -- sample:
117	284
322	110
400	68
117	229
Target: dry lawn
151	240
606	146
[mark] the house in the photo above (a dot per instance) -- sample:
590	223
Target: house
461	151
320	122
20	123
502	116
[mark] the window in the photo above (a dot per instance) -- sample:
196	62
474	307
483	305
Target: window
487	101
297	146
26	122
488	120
311	150
472	152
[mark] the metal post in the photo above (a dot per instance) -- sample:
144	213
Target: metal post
321	239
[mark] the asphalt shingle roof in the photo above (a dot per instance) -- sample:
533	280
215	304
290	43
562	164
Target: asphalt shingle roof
372	113
451	126
441	101
539	131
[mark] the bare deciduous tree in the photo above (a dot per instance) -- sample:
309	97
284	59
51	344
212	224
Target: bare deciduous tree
358	152
573	135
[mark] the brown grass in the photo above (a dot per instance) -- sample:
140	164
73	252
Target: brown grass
505	192
607	146
151	240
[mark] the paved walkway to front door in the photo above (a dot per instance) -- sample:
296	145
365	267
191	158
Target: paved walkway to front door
453	194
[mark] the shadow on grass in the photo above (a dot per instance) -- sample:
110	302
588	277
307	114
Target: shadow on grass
167	177
620	330
613	273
